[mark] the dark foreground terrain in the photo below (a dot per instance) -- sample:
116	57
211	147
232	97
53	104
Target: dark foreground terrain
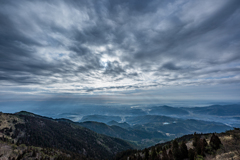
21	131
215	146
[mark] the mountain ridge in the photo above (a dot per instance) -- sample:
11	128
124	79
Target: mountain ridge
33	130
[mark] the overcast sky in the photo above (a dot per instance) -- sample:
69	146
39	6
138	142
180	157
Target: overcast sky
157	49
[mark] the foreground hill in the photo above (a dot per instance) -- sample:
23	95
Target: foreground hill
9	151
215	146
33	130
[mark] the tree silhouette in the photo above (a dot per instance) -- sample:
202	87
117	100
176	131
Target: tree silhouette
184	150
191	154
170	155
146	154
154	153
164	154
215	142
175	150
195	139
34	154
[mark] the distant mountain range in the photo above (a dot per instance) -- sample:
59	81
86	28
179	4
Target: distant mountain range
167	110
227	114
216	110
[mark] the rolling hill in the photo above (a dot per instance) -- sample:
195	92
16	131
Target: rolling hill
124	125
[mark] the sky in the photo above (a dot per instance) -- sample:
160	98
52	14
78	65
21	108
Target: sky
119	51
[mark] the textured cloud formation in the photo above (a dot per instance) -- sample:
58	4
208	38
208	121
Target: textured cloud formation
116	45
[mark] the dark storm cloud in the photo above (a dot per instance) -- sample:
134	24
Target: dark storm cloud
171	66
118	44
113	68
175	42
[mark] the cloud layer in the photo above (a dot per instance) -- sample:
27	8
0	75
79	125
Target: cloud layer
116	45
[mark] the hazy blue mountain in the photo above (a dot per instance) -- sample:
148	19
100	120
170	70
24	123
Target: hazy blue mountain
148	119
100	118
124	125
217	110
177	126
167	110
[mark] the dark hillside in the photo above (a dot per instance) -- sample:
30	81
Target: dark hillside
211	146
44	132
